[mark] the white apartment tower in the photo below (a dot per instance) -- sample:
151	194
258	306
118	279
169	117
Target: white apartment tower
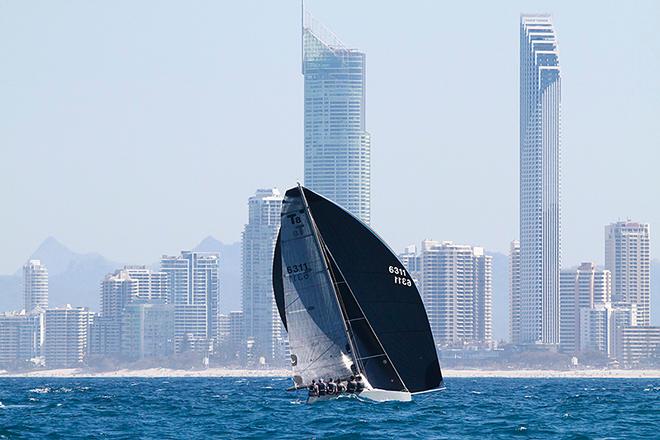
582	290
262	324
514	292
457	293
152	286
337	145
194	286
35	285
19	337
627	256
411	261
540	181
66	339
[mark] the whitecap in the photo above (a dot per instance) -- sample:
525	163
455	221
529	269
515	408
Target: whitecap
42	390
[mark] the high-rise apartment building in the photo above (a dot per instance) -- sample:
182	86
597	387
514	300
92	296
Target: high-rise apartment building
627	256
337	145
514	292
132	284
66	340
641	346
457	292
117	291
583	288
35	285
622	316
147	331
232	340
262	322
540	181
19	338
411	261
193	279
152	286
594	329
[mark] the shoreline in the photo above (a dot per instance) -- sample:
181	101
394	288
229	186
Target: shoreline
227	372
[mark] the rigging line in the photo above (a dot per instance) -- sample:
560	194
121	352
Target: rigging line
317	235
286	306
347	322
367	320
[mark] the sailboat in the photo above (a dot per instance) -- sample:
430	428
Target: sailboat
348	304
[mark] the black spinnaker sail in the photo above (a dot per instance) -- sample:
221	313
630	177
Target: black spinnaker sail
371	296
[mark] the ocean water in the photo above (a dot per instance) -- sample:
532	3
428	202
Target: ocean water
173	408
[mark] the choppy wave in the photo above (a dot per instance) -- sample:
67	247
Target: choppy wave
261	408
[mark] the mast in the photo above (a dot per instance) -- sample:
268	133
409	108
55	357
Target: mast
317	236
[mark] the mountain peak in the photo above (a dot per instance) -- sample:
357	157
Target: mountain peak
50	245
209	244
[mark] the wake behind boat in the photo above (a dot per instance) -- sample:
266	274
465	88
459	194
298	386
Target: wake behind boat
348	304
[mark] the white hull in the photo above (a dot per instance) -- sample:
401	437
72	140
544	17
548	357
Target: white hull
372	395
377	395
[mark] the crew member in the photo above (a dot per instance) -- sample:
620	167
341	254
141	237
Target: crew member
351	386
341	388
332	387
360	384
313	389
322	387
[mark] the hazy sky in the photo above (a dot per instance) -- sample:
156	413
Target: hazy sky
137	128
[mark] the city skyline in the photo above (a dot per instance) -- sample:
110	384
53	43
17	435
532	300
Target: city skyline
407	158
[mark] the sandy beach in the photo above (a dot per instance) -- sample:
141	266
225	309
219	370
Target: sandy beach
225	372
623	374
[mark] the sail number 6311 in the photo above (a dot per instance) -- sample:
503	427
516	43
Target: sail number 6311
402	280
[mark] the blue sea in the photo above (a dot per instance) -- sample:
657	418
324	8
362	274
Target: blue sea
196	408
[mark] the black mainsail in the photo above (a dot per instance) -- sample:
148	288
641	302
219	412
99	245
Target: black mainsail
347	302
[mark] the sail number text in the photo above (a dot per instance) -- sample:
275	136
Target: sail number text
400	276
302	267
297	224
298	272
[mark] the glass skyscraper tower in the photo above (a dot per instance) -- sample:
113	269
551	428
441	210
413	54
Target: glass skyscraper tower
540	209
337	145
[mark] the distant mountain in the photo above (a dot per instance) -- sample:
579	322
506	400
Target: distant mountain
500	296
73	278
230	271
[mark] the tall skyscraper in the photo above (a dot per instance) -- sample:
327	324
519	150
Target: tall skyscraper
627	256
261	320
514	292
35	285
540	181
337	145
582	290
195	292
457	292
66	340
